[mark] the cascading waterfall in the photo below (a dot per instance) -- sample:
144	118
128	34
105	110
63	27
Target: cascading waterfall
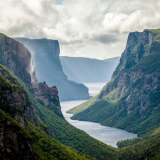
31	71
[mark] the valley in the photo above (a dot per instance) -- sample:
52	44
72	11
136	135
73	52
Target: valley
46	127
107	135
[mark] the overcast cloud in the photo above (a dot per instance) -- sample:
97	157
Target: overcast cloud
84	28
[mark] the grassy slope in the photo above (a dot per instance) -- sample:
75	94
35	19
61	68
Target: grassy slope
107	109
47	147
50	148
75	138
148	145
147	149
82	106
66	133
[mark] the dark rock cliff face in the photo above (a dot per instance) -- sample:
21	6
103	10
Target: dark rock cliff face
15	57
48	96
14	145
14	100
48	68
131	100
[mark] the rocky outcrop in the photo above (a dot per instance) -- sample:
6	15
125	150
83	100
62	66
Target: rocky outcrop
48	68
14	144
49	97
139	45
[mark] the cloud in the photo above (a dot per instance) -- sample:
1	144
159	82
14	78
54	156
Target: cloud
106	39
92	28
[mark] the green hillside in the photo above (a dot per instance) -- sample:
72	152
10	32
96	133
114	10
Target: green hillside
129	101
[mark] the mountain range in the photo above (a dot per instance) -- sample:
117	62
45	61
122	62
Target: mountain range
31	122
89	70
131	100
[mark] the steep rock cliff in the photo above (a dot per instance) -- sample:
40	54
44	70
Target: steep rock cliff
14	100
14	144
49	97
48	68
131	99
16	57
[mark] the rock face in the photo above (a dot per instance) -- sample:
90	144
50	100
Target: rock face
89	70
131	100
14	144
48	96
48	68
14	100
16	57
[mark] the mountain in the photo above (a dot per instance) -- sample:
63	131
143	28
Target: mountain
48	68
30	125
80	69
16	57
131	100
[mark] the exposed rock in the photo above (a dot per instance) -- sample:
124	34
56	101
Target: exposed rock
49	96
48	68
16	57
15	101
14	145
131	100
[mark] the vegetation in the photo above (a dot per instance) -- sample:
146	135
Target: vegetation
99	109
111	109
147	149
2	35
75	138
66	133
157	32
47	148
7	117
82	106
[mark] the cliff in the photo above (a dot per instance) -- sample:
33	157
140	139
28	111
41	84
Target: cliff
87	70
48	68
131	99
14	143
14	100
16	58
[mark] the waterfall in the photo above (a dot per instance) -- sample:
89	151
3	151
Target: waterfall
31	71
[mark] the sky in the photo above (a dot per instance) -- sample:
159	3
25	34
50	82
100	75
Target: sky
84	28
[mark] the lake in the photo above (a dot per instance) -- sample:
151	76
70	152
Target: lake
107	135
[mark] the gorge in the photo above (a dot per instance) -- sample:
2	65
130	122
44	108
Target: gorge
31	111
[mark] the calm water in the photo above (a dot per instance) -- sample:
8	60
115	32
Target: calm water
108	135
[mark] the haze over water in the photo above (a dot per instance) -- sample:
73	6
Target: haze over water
107	135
